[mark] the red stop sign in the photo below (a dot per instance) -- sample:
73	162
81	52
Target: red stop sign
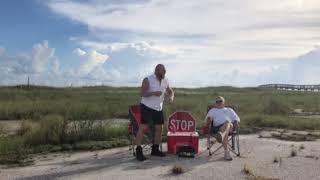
181	121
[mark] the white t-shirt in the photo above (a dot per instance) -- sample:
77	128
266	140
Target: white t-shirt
221	115
155	102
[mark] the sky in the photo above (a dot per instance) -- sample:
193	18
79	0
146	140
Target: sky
119	42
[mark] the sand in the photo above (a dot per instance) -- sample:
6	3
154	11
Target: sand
257	153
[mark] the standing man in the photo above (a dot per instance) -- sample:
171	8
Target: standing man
153	91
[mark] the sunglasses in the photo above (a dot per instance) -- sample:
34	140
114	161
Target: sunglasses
219	101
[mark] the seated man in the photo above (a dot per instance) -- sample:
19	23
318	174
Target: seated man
222	120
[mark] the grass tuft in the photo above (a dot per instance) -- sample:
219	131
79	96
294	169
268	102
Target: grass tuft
247	170
301	147
293	152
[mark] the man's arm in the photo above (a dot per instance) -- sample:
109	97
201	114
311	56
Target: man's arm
209	118
145	87
235	118
209	121
170	91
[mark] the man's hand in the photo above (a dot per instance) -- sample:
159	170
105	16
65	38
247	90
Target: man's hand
209	121
171	99
157	93
236	124
170	92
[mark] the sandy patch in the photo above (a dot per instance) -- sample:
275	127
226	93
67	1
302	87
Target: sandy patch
257	153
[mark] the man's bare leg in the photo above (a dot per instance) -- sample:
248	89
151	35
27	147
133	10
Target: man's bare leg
139	139
140	134
225	129
158	134
157	140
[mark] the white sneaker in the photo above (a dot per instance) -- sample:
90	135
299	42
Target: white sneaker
227	156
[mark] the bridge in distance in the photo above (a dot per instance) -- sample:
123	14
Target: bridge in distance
291	87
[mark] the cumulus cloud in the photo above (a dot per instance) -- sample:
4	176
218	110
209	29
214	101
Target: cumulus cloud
119	63
300	70
126	64
305	69
41	65
43	59
94	64
89	60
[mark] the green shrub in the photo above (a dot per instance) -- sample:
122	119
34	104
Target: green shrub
36	136
276	122
66	147
253	120
300	123
81	130
116	131
45	148
50	130
55	126
12	150
26	126
276	107
95	131
261	120
96	145
2	131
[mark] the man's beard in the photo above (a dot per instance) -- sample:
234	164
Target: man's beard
160	76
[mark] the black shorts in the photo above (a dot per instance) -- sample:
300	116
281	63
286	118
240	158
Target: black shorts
150	116
215	129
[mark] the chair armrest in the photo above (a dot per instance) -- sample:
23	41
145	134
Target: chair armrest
236	127
205	130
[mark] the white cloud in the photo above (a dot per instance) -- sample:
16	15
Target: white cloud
111	64
299	70
141	46
305	69
79	52
43	58
40	65
181	16
202	43
2	50
127	63
251	29
89	60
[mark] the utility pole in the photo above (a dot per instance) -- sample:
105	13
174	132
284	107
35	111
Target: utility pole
28	82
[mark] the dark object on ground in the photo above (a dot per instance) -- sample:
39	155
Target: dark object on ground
186	151
177	169
293	152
